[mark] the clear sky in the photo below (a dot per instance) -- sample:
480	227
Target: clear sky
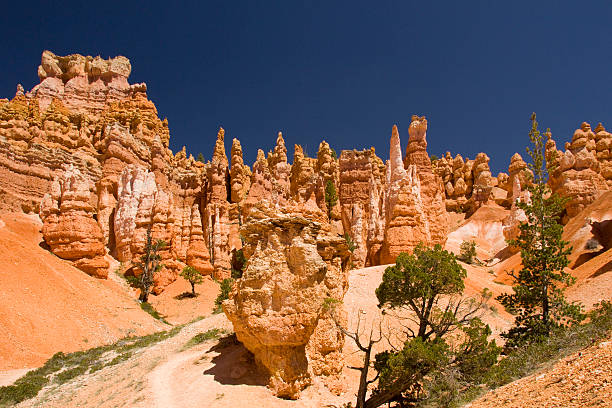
340	71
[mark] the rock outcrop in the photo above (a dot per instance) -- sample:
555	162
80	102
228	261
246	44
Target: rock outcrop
415	207
360	192
580	172
277	306
68	224
469	184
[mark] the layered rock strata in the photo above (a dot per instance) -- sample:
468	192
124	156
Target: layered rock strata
69	227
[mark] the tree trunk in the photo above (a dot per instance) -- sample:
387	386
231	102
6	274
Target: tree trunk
545	306
363	379
193	288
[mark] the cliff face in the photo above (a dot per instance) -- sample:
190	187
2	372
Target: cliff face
90	146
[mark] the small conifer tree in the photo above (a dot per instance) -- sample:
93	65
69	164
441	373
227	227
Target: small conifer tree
538	300
191	275
331	197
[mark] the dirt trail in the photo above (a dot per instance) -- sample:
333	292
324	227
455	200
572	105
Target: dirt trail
162	379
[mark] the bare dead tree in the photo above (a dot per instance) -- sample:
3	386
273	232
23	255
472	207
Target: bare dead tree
364	344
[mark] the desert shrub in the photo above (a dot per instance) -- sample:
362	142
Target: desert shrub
61	368
193	276
238	263
468	252
199	338
591	244
525	360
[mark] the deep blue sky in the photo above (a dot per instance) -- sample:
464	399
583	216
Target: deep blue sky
340	71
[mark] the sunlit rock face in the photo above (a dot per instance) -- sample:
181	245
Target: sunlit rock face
277	306
361	193
68	224
582	172
415	209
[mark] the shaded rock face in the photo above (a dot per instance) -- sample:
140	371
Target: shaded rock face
277	306
582	172
68	224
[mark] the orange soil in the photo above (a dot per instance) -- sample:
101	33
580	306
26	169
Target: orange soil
583	379
46	305
178	309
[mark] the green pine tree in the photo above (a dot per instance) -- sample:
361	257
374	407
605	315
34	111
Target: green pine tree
538	300
331	197
191	275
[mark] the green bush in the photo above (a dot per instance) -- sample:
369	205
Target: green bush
468	252
226	288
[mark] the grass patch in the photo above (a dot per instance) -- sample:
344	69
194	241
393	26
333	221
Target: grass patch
147	307
61	368
119	358
199	338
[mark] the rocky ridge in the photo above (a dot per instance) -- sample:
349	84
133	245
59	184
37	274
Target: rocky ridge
85	120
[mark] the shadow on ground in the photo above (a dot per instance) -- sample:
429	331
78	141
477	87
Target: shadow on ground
234	364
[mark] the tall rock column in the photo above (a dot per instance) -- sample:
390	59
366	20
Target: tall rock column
414	198
217	209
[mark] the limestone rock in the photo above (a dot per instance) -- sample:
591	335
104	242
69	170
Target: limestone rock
580	172
415	208
240	174
360	185
276	307
68	224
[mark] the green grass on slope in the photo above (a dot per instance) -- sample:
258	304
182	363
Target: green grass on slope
64	367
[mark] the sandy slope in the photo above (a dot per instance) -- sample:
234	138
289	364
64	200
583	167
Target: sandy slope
47	306
583	379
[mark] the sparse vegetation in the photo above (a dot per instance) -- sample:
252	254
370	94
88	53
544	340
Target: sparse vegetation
199	338
191	275
238	263
334	154
443	330
226	287
524	361
61	368
591	244
433	158
200	158
147	307
468	252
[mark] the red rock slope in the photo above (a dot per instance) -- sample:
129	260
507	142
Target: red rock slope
47	305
